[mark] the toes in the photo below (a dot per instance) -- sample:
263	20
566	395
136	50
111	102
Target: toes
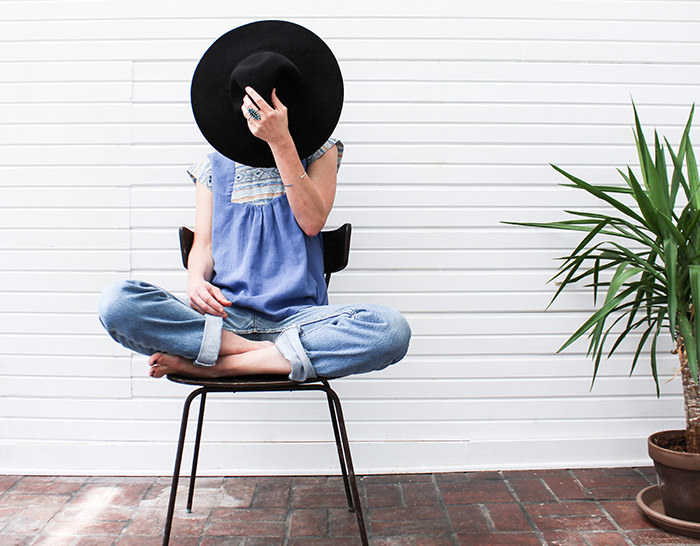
157	371
153	359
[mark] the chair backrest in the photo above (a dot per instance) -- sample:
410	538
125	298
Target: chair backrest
336	248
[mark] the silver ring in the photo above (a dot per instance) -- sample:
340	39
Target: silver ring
254	114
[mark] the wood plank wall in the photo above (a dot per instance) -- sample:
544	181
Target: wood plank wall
454	111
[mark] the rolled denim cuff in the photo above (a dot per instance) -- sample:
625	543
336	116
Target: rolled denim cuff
289	344
211	341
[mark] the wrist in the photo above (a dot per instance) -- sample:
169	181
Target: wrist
195	278
282	144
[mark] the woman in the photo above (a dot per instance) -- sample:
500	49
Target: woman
257	297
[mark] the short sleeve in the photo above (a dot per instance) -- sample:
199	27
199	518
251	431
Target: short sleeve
201	172
323	149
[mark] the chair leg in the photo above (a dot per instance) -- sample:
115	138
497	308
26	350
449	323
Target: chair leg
341	456
195	457
178	464
351	471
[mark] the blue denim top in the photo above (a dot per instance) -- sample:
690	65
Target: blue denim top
263	261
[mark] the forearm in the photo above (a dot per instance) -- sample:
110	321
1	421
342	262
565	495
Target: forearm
306	201
200	263
204	296
310	198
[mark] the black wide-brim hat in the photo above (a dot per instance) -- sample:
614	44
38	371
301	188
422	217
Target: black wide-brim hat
267	55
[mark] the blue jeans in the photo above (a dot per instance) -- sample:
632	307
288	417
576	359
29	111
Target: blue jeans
323	341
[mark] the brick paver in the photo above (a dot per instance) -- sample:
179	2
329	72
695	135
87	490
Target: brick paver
586	507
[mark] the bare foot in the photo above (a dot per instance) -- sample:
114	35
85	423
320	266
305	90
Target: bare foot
267	360
231	344
163	363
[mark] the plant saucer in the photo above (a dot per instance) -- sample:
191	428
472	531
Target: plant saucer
649	502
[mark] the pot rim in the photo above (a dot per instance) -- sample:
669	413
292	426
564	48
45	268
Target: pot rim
667	457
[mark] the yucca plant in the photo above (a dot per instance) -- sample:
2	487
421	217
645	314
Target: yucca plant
645	257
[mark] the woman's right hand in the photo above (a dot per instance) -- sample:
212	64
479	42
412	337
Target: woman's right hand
207	298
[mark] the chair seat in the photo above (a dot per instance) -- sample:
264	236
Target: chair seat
243	382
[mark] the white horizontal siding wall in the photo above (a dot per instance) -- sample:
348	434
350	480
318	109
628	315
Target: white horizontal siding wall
454	111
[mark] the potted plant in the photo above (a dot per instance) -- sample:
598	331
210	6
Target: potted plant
644	255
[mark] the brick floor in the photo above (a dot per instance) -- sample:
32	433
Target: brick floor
587	507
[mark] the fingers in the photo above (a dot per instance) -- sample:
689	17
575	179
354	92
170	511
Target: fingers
255	101
258	102
276	102
248	104
266	123
198	305
207	307
251	113
219	295
209	300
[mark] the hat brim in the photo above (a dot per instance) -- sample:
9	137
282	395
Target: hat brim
217	108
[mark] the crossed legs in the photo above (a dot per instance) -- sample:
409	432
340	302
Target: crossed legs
326	341
237	356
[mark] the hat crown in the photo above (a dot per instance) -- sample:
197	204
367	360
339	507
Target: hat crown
265	71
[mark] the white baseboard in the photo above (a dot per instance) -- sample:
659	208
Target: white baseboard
317	458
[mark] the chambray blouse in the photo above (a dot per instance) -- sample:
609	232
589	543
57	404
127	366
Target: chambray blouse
263	261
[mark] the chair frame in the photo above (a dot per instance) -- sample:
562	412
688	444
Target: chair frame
336	252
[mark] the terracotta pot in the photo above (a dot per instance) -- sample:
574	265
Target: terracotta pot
679	477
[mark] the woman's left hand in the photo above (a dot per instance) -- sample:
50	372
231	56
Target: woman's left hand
272	127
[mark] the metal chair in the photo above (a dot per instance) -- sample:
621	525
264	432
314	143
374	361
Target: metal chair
336	248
